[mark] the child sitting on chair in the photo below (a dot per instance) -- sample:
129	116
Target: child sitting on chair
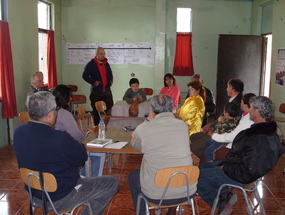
225	124
134	93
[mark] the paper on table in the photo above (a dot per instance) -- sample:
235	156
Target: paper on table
117	145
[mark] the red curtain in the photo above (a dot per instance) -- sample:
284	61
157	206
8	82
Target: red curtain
7	91
51	61
183	62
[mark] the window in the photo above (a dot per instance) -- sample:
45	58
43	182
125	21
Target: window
183	62
1	18
184	20
3	10
44	24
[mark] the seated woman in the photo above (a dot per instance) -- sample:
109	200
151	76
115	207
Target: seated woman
134	93
193	109
66	122
170	88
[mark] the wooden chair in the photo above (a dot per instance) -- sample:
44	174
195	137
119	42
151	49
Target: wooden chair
251	189
148	92
33	180
76	101
101	107
168	178
86	122
74	88
179	100
24	117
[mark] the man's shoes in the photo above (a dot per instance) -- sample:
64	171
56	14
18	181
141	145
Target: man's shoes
226	204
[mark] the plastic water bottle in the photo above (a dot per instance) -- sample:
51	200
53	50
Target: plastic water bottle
101	132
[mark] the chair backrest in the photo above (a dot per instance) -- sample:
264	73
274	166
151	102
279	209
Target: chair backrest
282	108
49	179
74	88
24	117
100	106
78	99
81	112
179	100
178	180
148	91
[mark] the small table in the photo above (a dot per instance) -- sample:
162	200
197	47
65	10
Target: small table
114	131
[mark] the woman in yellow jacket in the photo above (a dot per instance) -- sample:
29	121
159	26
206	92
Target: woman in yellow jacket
193	109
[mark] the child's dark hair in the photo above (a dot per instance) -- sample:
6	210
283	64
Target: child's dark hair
246	98
134	81
232	109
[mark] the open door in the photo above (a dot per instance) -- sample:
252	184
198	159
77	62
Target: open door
239	56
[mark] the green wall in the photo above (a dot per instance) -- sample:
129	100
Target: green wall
99	21
129	21
277	93
22	19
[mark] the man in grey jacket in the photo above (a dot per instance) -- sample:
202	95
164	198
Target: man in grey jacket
164	141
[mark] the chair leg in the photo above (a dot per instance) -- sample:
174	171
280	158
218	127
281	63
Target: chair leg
192	205
247	201
157	212
180	210
215	204
256	193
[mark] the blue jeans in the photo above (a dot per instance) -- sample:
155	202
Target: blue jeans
97	164
211	147
210	179
135	188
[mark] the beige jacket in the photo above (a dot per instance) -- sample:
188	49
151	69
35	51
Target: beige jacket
164	142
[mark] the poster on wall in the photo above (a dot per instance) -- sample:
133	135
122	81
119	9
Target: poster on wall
117	53
280	67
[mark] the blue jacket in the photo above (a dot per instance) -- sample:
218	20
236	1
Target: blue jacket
41	148
91	74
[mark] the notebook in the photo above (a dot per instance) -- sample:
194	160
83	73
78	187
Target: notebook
99	142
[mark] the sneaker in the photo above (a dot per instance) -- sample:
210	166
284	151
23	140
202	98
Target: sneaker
226	206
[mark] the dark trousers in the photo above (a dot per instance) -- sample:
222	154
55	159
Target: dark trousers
108	99
198	143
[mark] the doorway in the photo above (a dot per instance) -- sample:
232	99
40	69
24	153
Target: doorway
267	47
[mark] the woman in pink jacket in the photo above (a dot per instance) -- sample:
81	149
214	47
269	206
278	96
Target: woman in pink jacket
171	89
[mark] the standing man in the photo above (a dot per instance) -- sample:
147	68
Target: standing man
254	152
38	146
98	73
164	142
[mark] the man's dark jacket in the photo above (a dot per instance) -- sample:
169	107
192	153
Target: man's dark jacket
254	152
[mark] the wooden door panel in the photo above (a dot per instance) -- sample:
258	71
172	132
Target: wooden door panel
239	56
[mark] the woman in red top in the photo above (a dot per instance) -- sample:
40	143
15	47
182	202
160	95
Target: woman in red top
171	89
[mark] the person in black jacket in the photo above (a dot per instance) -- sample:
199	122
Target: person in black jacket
98	74
210	105
234	90
254	152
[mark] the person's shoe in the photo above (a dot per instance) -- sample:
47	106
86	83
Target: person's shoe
226	206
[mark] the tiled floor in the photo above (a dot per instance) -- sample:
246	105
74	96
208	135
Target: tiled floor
14	200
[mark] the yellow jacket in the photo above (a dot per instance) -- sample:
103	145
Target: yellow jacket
192	112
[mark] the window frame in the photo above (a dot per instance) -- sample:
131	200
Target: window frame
43	65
